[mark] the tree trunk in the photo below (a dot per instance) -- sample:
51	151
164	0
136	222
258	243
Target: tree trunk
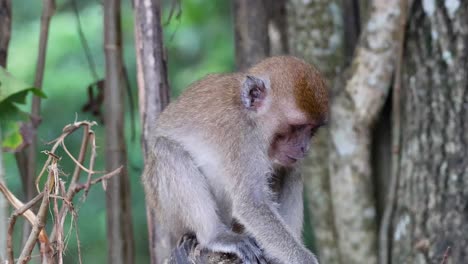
278	27
251	32
353	113
430	224
119	221
153	90
315	34
5	32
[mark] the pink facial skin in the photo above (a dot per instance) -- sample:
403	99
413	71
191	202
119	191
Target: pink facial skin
292	145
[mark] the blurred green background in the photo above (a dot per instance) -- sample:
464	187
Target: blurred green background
200	41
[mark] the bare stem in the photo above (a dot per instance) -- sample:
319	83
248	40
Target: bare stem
37	227
12	222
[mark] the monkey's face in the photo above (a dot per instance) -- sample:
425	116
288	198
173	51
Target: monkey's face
289	98
291	144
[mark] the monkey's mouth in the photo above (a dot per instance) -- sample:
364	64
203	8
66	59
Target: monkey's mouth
291	159
286	160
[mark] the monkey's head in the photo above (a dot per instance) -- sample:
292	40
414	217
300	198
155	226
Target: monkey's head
288	100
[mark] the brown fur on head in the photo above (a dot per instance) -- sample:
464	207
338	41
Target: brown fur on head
296	98
286	73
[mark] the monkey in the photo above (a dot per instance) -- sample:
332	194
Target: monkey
228	150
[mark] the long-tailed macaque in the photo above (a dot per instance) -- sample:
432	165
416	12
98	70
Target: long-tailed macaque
227	150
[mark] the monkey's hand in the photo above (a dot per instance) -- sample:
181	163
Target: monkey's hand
244	247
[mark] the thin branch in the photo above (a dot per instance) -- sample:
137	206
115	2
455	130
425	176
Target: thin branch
76	161
58	220
175	4
73	190
87	133
119	221
103	178
78	244
84	42
38	225
67	130
91	164
131	105
57	186
82	155
384	232
16	203
11	225
47	13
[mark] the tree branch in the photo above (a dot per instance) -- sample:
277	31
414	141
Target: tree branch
119	220
153	93
384	232
55	184
353	113
47	13
14	216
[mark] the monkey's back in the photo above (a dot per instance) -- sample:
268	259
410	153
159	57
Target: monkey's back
208	105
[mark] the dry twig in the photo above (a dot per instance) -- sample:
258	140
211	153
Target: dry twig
54	189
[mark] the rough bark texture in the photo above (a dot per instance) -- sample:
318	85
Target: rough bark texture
119	221
353	113
315	34
5	32
431	215
153	94
251	32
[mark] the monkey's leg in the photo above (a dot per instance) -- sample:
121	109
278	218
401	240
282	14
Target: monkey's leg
186	202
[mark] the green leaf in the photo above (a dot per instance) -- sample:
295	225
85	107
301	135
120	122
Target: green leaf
13	92
11	136
11	117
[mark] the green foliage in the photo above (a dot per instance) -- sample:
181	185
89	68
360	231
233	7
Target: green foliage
13	92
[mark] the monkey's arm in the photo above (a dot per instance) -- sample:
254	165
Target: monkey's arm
290	200
260	219
176	186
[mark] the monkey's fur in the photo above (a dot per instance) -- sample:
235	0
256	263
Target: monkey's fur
227	149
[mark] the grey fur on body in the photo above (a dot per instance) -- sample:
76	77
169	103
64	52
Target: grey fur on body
209	166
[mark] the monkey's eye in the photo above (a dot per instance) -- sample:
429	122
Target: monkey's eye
313	131
280	137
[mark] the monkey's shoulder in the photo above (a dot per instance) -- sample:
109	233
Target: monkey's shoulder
215	82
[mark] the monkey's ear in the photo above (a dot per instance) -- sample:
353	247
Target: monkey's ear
253	93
